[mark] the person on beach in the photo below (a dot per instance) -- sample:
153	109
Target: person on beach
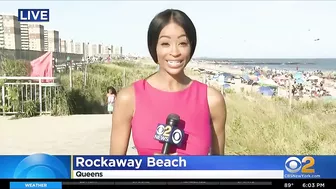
111	97
139	108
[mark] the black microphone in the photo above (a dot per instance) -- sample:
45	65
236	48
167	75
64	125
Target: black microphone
169	133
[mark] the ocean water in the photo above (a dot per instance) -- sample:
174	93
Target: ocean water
285	64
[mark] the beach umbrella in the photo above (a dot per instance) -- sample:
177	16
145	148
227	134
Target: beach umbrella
298	75
226	74
257	73
299	80
267	91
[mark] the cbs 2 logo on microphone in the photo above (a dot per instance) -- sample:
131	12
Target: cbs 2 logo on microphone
305	165
169	134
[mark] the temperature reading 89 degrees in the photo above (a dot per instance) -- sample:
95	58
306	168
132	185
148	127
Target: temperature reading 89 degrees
288	185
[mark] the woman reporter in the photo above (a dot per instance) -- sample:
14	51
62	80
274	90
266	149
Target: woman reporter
142	106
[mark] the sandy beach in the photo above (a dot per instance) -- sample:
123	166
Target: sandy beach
77	134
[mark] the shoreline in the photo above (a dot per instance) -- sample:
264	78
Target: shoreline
232	67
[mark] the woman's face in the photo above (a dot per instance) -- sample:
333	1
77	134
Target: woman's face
173	49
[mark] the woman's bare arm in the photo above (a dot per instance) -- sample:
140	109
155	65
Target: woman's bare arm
121	121
218	118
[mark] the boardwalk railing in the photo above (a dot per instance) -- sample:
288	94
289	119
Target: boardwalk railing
17	93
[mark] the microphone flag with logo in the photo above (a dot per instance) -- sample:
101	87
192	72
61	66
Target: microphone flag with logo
169	133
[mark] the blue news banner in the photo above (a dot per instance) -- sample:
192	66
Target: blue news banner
44	166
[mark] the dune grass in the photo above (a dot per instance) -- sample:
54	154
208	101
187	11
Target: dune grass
257	125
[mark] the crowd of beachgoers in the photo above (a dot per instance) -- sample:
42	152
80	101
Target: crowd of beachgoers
298	84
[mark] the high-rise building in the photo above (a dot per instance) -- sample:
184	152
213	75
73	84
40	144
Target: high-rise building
79	48
106	50
111	50
94	50
63	46
36	37
24	36
10	37
60	45
51	41
86	50
70	46
99	49
117	51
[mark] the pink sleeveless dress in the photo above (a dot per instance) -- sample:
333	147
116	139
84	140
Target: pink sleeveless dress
152	106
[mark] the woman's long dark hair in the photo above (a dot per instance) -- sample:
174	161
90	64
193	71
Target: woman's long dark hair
163	19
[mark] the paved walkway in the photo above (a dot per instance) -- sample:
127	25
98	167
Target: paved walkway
78	134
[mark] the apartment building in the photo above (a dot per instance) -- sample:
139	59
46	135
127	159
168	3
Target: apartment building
63	46
106	50
111	50
100	49
24	36
86	50
94	50
10	37
117	51
36	37
79	48
51	40
70	46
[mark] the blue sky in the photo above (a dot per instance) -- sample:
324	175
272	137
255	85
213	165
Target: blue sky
225	29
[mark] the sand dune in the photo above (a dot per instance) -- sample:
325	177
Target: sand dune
77	134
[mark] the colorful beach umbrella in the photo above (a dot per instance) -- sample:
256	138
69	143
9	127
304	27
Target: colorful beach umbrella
298	75
267	91
257	73
299	80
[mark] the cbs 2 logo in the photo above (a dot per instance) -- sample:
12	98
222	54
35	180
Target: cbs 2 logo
164	130
294	164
